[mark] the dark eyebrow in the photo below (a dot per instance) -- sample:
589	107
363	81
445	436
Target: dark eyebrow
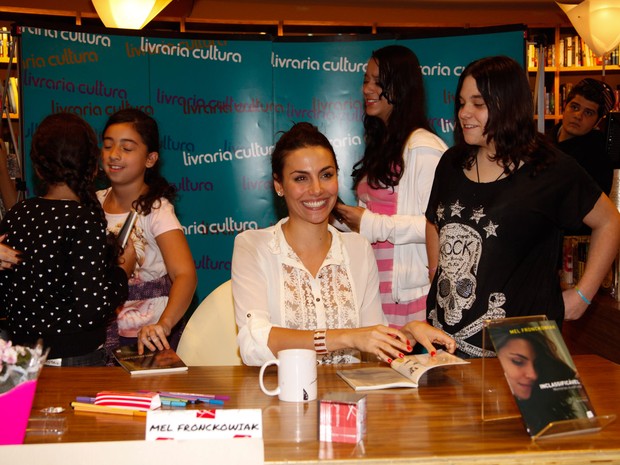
122	140
320	171
521	356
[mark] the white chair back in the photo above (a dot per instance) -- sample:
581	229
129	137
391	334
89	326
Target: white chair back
210	337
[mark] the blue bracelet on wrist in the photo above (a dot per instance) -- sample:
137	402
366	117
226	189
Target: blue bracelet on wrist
583	297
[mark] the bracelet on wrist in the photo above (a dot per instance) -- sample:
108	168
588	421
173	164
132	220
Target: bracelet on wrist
320	346
583	297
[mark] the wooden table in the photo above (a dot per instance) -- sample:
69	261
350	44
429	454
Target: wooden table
440	422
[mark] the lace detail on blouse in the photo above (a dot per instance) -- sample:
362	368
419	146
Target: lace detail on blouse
335	305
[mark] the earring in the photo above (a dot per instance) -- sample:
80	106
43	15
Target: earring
280	194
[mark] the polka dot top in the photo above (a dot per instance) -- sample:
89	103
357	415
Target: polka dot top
63	290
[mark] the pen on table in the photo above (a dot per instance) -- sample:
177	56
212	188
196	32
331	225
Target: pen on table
84	407
211	401
165	401
195	400
173	402
190	395
85	399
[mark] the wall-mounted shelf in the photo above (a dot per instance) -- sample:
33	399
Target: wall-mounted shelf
559	77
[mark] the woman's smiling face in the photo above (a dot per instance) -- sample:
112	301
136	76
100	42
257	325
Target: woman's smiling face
517	358
309	184
375	103
473	113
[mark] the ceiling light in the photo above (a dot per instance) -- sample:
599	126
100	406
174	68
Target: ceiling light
128	14
596	21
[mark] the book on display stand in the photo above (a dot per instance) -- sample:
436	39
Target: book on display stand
539	375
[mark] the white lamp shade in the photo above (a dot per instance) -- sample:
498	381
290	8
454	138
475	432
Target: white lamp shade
128	14
597	22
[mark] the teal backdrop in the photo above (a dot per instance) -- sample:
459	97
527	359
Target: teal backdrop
221	102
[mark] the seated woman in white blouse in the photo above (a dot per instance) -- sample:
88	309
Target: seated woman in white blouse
302	283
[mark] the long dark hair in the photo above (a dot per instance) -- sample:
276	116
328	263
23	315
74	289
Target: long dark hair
65	150
504	86
147	128
400	78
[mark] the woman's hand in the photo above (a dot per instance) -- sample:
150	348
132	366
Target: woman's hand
153	337
382	341
9	257
574	305
351	216
425	334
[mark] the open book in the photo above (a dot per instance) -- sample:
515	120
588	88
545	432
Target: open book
160	361
402	373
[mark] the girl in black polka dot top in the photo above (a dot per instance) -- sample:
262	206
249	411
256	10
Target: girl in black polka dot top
68	284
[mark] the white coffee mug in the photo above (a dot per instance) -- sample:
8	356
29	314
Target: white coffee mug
297	379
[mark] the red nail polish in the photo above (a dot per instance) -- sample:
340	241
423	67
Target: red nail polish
389	360
409	348
433	353
401	355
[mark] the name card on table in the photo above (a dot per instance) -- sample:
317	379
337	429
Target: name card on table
204	424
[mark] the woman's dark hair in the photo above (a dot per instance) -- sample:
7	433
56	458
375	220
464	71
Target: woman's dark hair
504	86
548	363
400	77
65	150
147	128
300	136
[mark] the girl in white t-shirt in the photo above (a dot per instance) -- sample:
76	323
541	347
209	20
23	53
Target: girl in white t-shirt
164	280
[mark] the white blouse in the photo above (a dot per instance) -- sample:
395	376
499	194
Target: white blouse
272	287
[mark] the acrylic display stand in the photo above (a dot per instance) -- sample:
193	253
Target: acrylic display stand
577	426
496	392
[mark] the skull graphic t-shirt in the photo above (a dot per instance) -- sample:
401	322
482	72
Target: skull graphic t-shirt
499	243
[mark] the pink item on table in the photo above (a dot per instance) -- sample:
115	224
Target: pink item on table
15	408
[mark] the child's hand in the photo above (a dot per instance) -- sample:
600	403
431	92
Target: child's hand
153	337
351	216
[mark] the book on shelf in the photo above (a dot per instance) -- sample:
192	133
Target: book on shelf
542	377
402	373
5	42
150	362
13	94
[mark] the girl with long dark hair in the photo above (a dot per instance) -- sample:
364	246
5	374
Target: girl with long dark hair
393	180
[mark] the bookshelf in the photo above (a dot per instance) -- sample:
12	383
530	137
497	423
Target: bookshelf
8	74
568	60
13	103
10	125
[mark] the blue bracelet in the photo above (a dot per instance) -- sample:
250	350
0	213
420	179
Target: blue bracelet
583	297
